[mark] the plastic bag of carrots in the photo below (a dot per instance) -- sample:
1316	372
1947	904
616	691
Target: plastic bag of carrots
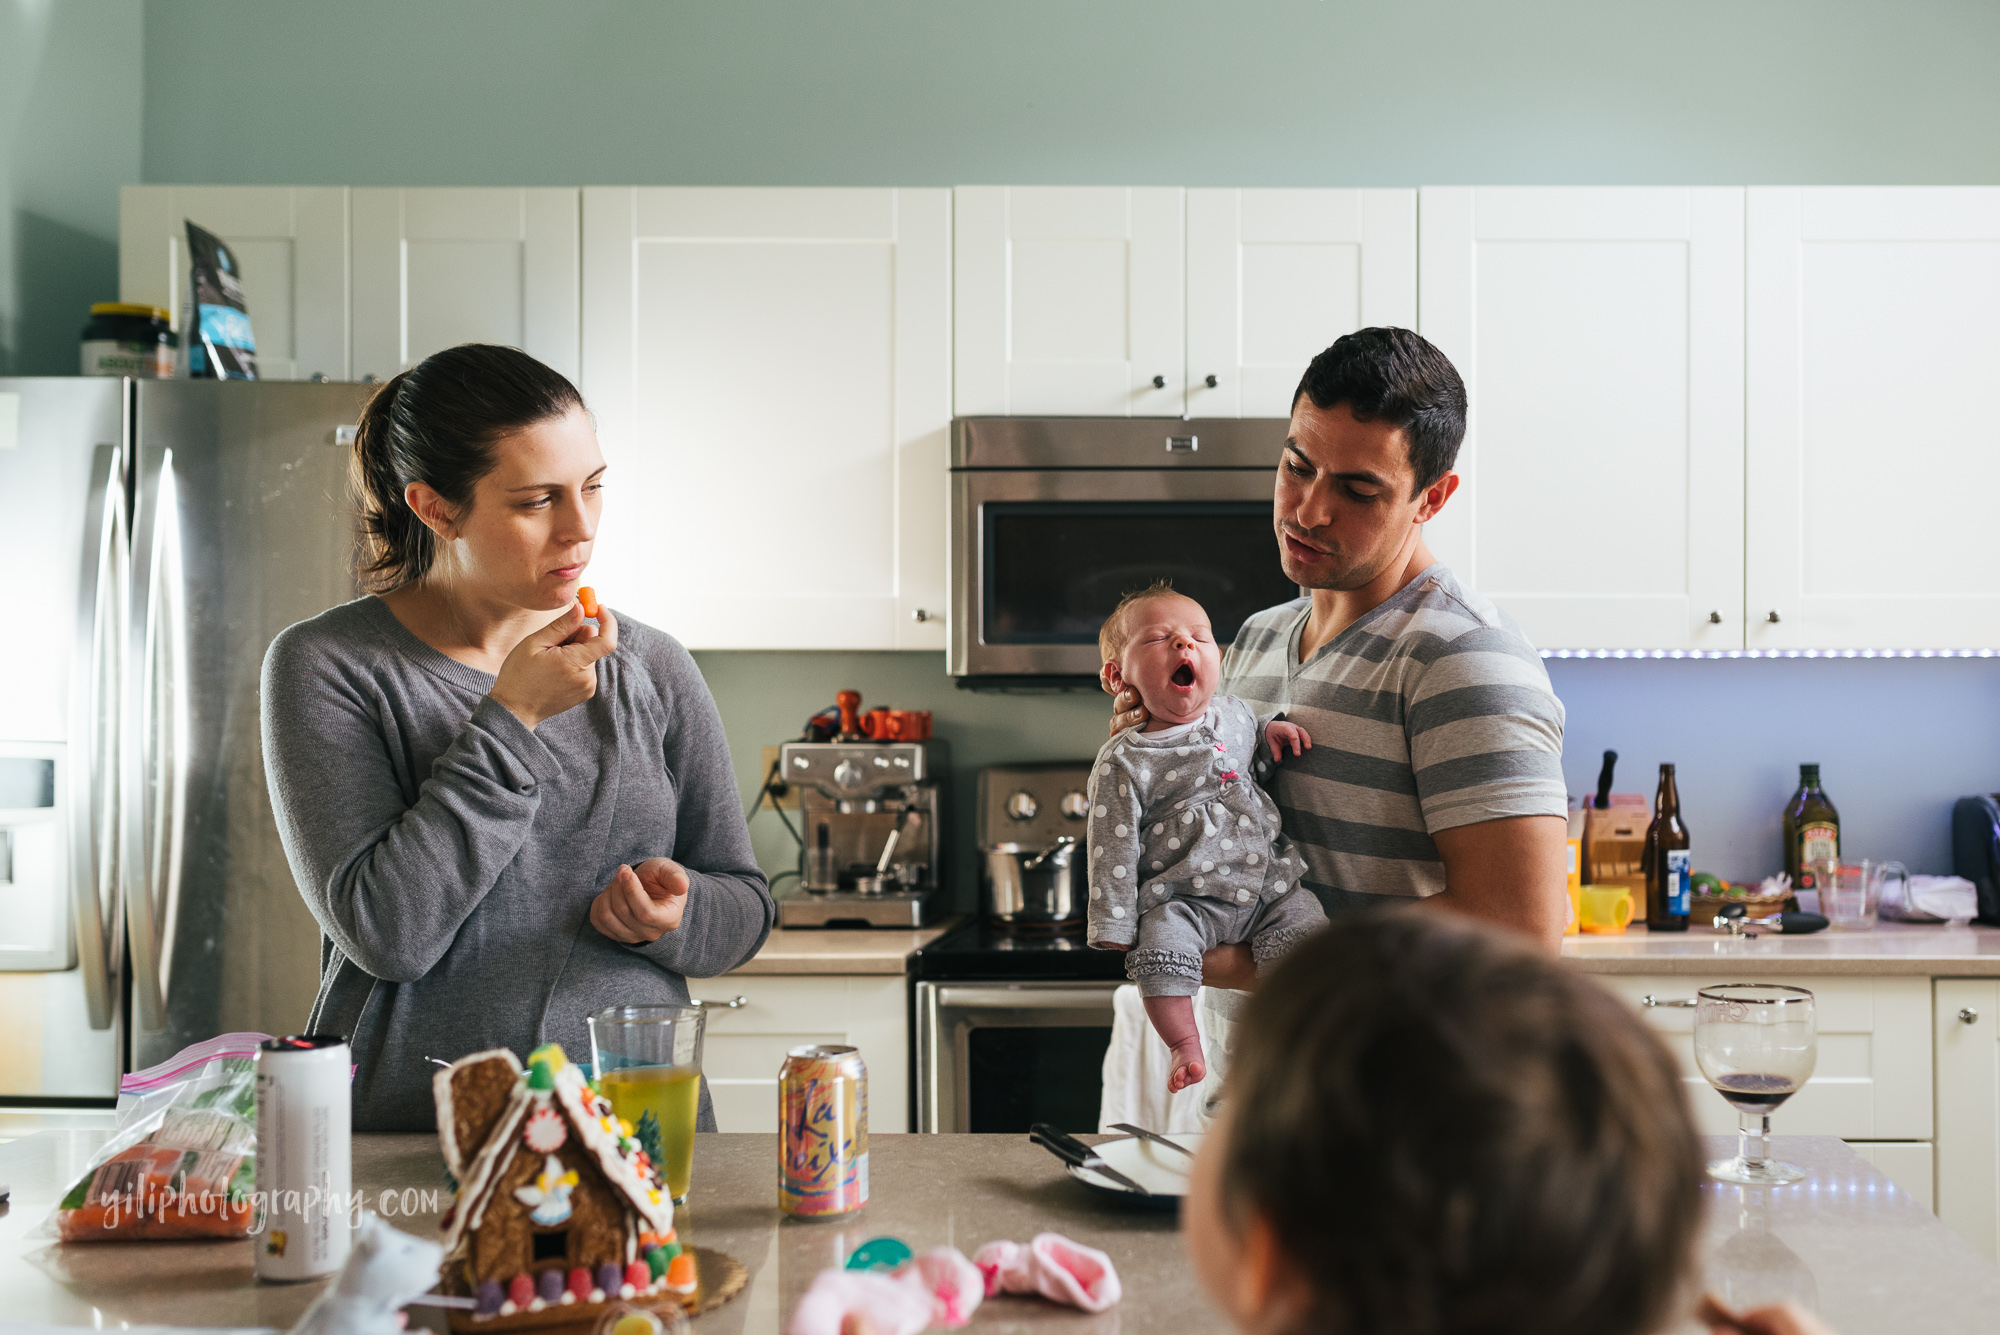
182	1162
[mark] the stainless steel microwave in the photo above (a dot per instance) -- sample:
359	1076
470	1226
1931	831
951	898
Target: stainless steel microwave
1053	519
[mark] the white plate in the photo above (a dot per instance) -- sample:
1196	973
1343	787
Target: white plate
1161	1171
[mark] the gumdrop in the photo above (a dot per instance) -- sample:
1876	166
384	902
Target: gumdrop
521	1291
656	1261
680	1274
579	1284
490	1297
672	1249
609	1277
551	1285
639	1276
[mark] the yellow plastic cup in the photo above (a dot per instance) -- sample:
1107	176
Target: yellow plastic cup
1606	909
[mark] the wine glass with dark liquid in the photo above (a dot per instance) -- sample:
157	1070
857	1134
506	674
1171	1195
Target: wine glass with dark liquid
1756	1043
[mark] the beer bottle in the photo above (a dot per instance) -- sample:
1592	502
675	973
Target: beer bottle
1812	831
1667	861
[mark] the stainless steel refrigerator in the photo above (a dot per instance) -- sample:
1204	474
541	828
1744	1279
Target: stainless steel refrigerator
154	537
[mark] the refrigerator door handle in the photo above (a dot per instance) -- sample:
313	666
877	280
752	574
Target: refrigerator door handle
94	759
156	807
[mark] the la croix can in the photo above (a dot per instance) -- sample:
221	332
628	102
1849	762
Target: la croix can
823	1120
304	1156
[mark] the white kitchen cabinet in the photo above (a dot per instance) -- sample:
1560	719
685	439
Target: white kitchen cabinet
1274	276
771	370
1874	331
1968	1093
1910	1164
745	1046
441	266
1872	1081
1600	335
292	245
1068	301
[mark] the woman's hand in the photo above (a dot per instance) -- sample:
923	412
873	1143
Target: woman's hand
643	903
555	669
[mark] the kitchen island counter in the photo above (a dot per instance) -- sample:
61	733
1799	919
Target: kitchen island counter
1930	949
1847	1241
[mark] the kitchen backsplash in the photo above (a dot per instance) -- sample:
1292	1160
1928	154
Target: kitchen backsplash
1897	740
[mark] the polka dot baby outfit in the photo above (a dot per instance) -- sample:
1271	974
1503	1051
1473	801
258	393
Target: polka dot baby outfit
1186	851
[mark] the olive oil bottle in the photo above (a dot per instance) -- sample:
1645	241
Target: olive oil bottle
1812	831
1669	897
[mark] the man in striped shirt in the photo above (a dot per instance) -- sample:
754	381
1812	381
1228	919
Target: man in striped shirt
1436	766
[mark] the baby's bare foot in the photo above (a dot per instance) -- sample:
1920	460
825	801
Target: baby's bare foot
1188	1067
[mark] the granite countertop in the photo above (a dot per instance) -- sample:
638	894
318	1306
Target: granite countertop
1931	949
811	950
1847	1241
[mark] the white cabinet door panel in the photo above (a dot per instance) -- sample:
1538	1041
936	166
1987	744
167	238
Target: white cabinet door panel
1872	1080
771	374
291	242
745	1046
1874	331
1274	276
1069	301
1968	1096
437	267
1600	335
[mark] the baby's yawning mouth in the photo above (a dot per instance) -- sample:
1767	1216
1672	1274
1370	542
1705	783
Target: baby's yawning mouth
1183	675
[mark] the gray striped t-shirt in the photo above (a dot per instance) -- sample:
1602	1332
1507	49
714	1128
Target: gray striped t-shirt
1431	711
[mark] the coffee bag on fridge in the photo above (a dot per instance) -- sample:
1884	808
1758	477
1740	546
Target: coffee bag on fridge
216	331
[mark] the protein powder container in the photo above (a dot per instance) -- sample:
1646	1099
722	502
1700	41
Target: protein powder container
126	338
304	1156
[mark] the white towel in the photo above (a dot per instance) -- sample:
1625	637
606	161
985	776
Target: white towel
1137	1064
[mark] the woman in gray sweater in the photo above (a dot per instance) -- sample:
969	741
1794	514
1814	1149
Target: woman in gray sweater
503	816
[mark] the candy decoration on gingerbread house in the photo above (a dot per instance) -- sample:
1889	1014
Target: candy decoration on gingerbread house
559	1211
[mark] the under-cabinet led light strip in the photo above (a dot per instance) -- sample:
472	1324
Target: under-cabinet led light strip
1770	653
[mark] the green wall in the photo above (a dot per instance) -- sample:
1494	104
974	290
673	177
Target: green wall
70	107
1186	92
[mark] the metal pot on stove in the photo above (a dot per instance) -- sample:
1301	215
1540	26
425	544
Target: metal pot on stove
1031	840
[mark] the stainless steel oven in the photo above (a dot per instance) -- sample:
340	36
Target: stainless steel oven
1010	1028
1002	1056
1054	518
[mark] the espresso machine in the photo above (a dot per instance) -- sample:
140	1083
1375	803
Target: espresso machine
873	817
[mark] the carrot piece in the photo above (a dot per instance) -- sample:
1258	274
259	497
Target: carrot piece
588	597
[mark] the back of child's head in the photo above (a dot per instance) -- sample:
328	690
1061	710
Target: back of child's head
1452	1133
1112	635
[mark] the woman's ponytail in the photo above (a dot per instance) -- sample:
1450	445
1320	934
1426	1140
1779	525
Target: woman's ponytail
436	423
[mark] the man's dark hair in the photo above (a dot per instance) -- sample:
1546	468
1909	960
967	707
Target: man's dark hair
1396	376
1451	1132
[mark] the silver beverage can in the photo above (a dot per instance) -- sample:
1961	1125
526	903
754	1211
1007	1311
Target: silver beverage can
304	1156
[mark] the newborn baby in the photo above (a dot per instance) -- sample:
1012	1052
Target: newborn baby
1185	849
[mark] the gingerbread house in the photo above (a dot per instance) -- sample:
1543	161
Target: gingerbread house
558	1211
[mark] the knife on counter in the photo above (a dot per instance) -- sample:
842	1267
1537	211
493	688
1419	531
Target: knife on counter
1079	1155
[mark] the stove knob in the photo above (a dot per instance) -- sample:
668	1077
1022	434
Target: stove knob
1074	804
1021	804
850	775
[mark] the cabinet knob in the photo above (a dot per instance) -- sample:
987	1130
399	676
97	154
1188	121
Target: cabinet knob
1772	616
920	616
1159	382
1715	618
734	1005
1210	381
1968	1016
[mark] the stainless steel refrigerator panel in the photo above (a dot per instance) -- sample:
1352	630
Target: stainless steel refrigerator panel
242	524
62	541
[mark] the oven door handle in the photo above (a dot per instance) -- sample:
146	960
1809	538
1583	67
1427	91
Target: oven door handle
1027	998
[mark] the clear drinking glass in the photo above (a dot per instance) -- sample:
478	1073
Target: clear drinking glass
1757	1044
648	1063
